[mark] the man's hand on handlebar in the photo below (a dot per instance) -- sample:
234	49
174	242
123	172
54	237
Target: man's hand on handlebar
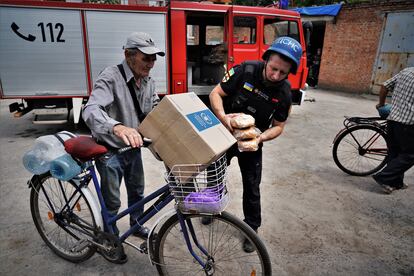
130	136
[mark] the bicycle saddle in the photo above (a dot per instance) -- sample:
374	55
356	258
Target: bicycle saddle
84	148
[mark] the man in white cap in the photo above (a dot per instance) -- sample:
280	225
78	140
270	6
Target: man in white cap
121	97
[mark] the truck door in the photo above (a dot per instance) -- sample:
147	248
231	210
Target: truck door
207	49
228	32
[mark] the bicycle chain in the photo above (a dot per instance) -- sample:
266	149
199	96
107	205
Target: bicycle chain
114	250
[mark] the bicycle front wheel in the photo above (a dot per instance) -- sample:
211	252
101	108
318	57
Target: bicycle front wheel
360	150
222	239
62	216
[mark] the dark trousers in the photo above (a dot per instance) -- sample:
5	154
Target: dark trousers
112	167
400	154
250	164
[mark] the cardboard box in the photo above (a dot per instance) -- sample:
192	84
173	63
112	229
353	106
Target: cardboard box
184	131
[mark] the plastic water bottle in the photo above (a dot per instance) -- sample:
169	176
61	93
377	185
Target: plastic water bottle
64	168
50	147
45	149
34	163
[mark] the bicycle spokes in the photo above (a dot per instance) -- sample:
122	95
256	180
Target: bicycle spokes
63	217
360	150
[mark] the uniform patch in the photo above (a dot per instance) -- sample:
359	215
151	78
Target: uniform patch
228	75
248	86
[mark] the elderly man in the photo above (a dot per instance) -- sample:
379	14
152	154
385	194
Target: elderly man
121	97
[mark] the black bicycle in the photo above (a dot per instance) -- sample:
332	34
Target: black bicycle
360	148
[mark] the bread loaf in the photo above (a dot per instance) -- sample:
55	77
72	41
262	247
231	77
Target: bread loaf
245	134
242	121
248	145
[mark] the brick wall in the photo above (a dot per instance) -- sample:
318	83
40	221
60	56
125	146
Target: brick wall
350	45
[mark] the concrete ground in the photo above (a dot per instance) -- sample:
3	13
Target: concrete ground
317	220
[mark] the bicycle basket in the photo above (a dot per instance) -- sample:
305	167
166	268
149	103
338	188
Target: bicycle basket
200	188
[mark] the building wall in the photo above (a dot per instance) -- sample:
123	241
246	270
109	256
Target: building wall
351	43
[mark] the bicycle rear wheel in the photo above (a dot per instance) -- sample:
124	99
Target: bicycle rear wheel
222	239
62	215
360	150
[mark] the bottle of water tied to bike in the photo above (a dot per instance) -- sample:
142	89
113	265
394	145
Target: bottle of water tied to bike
45	149
34	162
64	168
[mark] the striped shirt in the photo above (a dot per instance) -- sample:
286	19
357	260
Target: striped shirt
110	103
402	85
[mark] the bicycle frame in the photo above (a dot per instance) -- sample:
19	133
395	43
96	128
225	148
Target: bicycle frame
164	198
366	147
109	221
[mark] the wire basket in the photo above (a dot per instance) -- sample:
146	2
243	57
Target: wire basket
200	188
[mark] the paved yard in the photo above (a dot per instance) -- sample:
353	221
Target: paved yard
316	219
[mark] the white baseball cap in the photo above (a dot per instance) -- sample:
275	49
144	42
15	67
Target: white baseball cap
143	42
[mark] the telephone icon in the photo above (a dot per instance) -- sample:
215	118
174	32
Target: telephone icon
15	29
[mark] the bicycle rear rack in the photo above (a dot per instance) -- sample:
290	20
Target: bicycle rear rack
375	121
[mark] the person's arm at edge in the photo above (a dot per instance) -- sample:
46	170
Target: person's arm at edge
382	96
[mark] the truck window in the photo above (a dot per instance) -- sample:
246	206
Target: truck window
244	30
206	50
214	35
276	27
193	35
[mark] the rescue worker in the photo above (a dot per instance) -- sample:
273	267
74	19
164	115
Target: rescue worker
261	89
122	95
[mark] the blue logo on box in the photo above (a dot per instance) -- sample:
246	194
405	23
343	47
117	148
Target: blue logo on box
203	119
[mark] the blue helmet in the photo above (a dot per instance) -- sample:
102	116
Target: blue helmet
287	47
384	111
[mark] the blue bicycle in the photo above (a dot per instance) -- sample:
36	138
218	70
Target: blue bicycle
75	225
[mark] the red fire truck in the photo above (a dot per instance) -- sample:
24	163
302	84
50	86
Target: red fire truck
52	52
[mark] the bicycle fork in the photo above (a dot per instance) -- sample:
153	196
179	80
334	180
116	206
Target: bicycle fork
187	224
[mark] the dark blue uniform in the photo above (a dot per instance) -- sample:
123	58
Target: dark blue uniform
249	93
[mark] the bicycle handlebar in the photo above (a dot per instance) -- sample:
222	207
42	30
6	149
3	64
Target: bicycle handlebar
147	143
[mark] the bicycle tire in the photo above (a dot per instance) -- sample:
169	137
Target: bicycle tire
223	240
356	160
48	217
